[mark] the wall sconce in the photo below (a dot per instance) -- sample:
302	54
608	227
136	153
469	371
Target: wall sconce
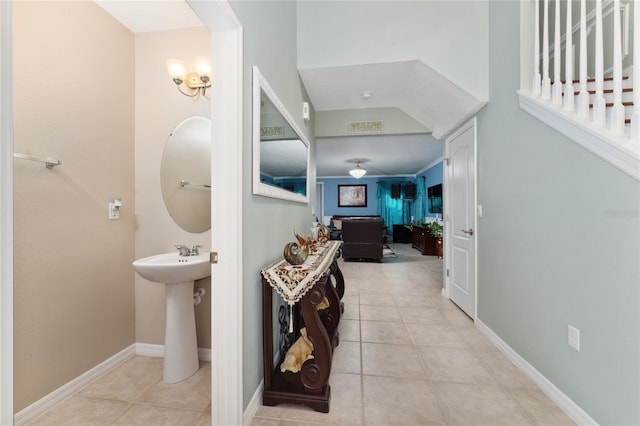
196	82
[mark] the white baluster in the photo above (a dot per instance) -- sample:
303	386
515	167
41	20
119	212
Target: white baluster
617	112
583	97
546	81
556	97
599	104
535	86
635	118
569	91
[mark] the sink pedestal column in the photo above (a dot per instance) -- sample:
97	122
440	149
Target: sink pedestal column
180	343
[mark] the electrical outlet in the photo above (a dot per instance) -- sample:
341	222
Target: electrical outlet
574	338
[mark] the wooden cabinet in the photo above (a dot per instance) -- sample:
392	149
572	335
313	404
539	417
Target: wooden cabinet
422	239
310	386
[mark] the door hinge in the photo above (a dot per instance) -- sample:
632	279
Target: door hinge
213	257
447	161
447	273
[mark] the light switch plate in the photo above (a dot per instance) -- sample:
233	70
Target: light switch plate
573	337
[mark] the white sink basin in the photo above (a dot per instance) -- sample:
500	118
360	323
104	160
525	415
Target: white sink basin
173	268
178	274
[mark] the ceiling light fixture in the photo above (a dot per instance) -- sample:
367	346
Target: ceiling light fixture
196	82
357	172
366	95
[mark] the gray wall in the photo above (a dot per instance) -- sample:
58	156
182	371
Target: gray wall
559	244
268	224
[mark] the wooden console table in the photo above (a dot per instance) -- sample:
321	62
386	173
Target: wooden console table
303	288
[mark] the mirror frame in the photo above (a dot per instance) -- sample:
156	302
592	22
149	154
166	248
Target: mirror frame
259	188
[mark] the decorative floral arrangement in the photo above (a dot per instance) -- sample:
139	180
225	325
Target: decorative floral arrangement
436	229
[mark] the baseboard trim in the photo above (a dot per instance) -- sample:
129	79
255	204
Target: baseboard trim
148	349
254	404
565	403
68	389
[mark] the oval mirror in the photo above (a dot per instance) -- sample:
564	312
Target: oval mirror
185	174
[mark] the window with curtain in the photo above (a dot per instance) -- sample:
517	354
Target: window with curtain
388	208
420	203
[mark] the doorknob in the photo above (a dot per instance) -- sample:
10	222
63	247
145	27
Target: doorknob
468	232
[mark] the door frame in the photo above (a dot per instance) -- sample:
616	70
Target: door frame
6	213
320	197
472	123
226	113
227	405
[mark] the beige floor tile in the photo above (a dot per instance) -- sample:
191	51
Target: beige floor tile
504	371
204	419
82	411
380	313
457	317
193	393
346	358
391	361
375	285
346	404
380	299
434	335
464	405
418	315
144	415
454	365
261	421
392	401
540	408
349	330
351	311
267	411
384	332
403	300
128	381
474	339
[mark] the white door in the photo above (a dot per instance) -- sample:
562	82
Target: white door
460	216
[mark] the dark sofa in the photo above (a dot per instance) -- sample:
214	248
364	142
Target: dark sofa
362	238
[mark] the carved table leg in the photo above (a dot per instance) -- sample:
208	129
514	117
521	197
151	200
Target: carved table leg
315	373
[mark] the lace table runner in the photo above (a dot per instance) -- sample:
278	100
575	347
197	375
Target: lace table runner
294	281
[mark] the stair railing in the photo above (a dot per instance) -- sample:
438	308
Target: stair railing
600	126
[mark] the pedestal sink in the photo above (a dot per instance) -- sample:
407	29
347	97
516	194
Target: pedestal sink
178	274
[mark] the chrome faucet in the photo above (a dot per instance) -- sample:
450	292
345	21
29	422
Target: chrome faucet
184	250
194	250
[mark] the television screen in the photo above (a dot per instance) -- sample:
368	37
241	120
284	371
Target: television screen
434	198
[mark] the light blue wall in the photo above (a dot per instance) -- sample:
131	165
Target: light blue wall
432	176
269	32
331	195
559	244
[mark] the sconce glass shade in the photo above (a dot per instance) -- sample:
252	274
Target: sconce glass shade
357	172
203	68
177	69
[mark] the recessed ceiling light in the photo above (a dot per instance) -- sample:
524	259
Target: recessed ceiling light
366	95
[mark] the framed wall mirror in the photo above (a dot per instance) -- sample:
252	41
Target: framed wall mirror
280	148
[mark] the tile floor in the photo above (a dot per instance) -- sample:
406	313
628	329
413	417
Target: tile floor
406	357
409	357
133	393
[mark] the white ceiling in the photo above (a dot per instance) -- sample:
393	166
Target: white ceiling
418	90
412	86
142	16
380	155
